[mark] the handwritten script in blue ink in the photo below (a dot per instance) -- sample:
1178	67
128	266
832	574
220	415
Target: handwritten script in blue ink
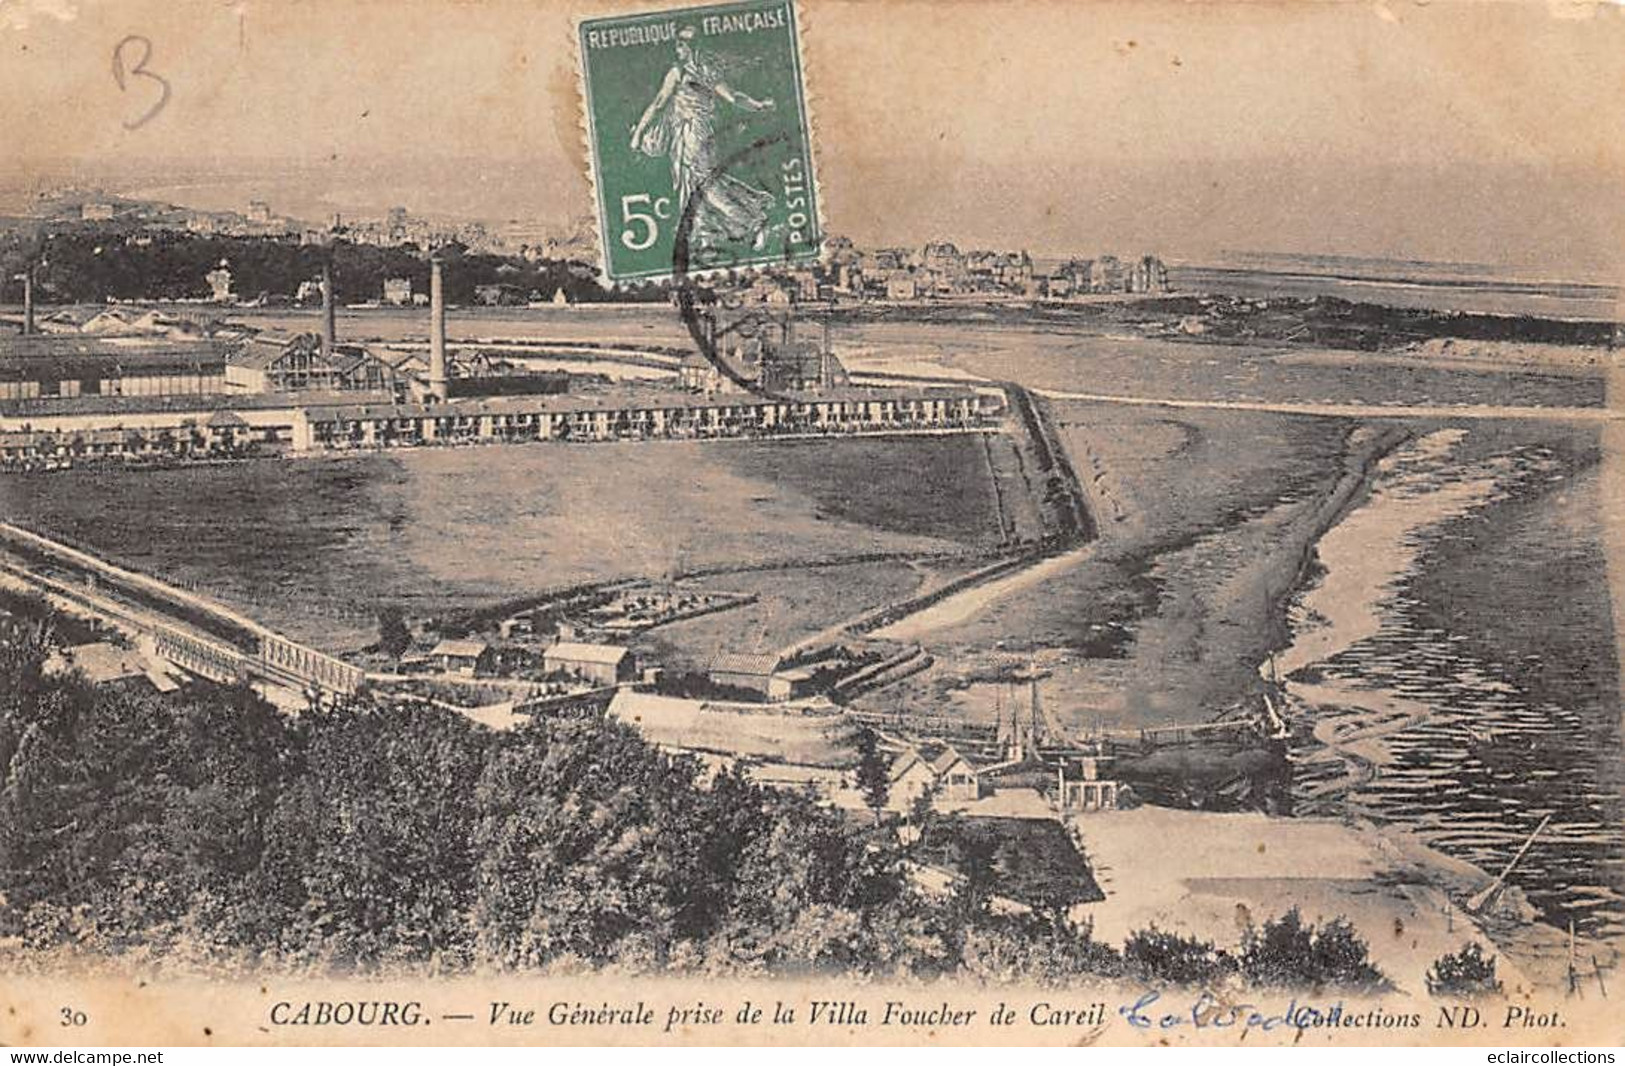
1207	1011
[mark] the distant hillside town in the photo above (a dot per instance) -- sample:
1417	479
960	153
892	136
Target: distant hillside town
940	270
111	248
398	227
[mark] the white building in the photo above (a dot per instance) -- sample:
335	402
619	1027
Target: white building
602	664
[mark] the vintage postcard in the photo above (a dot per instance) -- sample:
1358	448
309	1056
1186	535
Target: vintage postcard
536	522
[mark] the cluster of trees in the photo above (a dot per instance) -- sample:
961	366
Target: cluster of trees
205	828
88	265
1336	322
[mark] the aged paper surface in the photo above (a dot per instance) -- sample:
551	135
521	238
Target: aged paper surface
810	522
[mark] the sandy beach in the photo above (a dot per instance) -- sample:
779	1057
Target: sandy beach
1236	869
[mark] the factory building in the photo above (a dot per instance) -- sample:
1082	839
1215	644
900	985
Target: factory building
283	362
696	373
801	366
279	362
38	366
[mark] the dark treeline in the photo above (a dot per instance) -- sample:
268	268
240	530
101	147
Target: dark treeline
1331	321
206	828
203	828
92	266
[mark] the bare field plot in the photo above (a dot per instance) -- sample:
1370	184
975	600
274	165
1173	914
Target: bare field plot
313	546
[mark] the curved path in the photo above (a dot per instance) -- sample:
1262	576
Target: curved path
1357	410
881	372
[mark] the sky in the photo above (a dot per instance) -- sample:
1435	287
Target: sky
1482	132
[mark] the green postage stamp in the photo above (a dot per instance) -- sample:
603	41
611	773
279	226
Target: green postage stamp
699	139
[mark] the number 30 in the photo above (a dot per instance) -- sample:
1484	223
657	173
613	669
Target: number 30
661	208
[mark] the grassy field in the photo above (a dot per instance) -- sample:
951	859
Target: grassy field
790	606
314	546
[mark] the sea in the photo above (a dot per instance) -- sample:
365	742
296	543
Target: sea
1465	287
1458	666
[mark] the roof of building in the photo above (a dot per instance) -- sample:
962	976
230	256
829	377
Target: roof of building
346	359
262	350
761	665
77	316
113	314
291	400
267	349
459	649
946	761
64	439
43	346
576	652
904	763
397	358
124	364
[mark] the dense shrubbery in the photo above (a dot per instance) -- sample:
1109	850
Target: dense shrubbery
1465	974
204	828
1153	956
1289	952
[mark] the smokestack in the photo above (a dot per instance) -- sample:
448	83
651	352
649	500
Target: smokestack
329	328
826	371
437	332
28	300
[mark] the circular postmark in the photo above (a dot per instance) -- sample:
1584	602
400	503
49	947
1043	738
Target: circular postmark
712	321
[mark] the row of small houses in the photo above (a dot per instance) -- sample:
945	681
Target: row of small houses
945	774
613	664
396	425
598	664
222	435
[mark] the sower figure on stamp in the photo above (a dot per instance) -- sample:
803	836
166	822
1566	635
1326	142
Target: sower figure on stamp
680	122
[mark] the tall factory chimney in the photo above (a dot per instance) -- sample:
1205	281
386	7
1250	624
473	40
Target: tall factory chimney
329	329
826	372
437	332
28	299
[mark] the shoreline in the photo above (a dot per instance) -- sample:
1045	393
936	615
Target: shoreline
1363	664
1404	897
